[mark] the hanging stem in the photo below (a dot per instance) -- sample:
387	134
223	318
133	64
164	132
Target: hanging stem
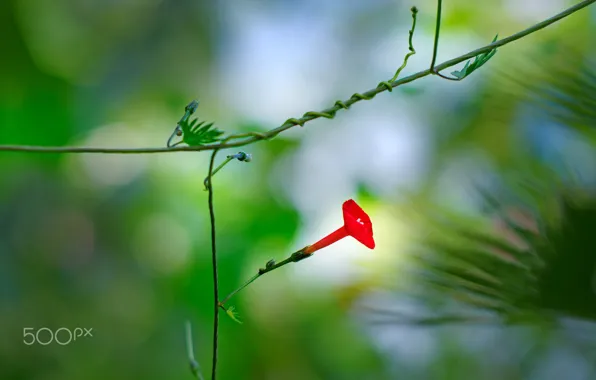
214	264
436	44
437	32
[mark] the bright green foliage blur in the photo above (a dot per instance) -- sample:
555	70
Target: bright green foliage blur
120	243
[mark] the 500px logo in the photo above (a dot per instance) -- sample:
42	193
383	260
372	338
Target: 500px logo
62	336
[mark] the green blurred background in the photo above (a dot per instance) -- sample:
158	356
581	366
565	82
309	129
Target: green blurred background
120	244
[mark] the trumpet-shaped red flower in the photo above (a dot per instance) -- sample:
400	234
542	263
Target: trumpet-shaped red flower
356	224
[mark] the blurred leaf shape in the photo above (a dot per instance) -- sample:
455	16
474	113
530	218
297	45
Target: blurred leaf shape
569	95
562	85
528	268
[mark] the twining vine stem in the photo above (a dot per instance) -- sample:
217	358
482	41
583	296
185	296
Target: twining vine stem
249	138
387	84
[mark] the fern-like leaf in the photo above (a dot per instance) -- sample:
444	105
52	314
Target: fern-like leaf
198	133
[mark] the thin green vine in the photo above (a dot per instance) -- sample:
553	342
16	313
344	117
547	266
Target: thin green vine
243	139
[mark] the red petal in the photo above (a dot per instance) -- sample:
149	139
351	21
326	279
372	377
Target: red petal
358	223
352	208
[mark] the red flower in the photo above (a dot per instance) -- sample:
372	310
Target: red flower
356	224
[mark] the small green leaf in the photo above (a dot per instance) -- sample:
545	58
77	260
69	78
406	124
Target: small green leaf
232	314
194	134
479	60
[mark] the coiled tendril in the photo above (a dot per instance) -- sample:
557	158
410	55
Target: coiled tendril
338	105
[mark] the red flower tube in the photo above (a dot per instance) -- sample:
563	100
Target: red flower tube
356	224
